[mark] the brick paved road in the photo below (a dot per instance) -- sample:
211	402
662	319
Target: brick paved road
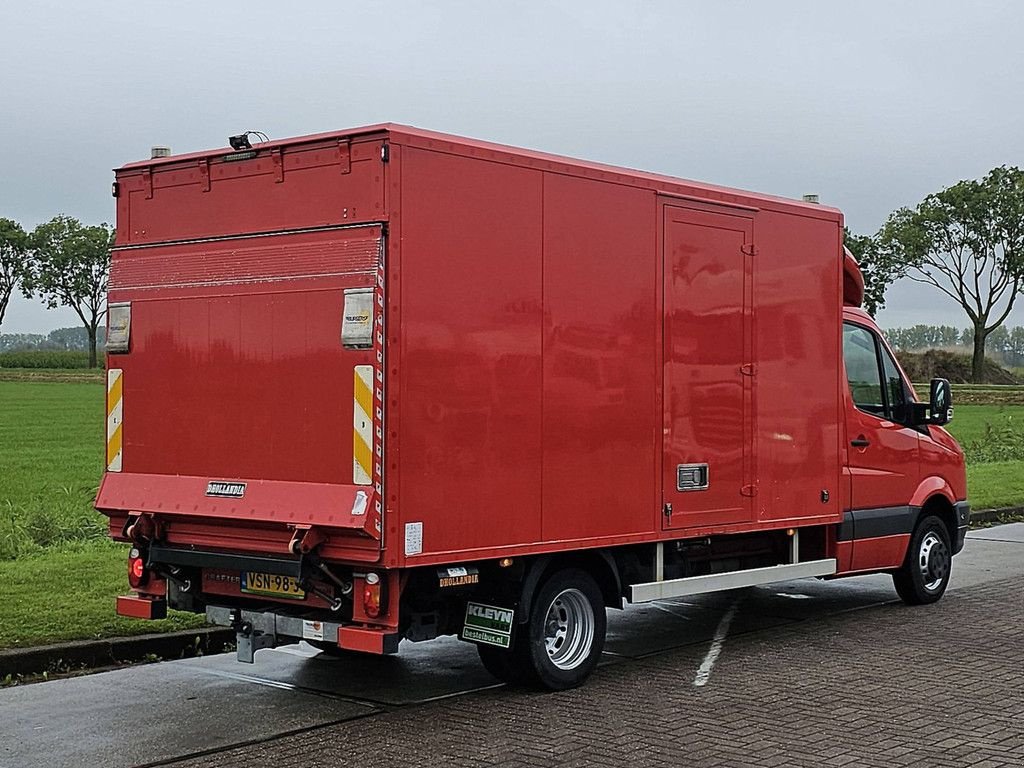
884	686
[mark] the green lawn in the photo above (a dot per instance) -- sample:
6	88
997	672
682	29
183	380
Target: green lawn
995	485
51	457
67	593
58	573
970	421
993	440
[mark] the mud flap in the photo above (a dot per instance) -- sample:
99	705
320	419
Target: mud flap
488	625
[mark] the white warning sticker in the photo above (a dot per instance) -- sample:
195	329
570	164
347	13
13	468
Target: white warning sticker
413	538
312	630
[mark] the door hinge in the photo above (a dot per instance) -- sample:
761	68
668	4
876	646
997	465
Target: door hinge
277	160
748	490
204	175
344	156
385	152
749	249
667	509
747	369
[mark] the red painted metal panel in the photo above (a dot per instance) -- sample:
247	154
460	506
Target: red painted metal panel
264	501
359	639
248	260
707	403
177	200
600	359
470	440
243	380
798	379
881	553
141	607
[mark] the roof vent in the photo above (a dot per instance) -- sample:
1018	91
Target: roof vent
155	152
811	199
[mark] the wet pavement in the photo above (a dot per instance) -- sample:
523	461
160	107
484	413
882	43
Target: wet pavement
430	704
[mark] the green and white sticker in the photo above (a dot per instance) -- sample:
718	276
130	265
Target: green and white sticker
488	624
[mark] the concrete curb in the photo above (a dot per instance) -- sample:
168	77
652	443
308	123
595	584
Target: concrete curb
995	515
62	657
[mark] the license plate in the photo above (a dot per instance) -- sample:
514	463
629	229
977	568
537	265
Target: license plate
271	585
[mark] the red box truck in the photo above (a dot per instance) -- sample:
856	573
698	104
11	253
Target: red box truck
386	384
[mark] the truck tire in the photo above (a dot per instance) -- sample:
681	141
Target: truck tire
561	642
924	575
501	663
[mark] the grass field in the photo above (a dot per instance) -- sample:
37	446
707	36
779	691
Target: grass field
51	457
59	575
67	593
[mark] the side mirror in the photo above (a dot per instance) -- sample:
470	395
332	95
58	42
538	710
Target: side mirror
940	402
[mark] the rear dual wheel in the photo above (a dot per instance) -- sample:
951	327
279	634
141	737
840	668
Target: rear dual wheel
562	640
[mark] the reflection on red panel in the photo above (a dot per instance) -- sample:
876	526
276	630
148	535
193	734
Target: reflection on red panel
241	380
600	353
707	403
470	408
798	393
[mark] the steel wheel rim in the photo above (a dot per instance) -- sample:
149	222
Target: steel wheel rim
569	629
933	561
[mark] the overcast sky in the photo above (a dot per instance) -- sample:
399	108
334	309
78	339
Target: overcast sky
871	105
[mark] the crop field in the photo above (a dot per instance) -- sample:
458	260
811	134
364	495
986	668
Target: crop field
59	575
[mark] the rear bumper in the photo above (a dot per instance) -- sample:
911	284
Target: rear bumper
257	630
963	521
138	607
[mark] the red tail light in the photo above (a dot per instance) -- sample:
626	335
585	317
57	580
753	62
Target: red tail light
371	595
137	575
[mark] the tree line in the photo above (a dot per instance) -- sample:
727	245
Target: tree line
966	242
59	339
61	262
1004	343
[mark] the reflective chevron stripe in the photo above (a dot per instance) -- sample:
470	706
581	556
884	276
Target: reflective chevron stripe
362	425
114	412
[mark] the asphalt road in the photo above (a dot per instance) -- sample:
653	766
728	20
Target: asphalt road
802	673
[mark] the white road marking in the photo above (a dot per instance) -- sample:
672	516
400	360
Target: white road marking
704	673
669	611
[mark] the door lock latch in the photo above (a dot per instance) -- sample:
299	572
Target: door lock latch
668	509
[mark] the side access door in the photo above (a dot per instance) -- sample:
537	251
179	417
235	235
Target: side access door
884	461
707	473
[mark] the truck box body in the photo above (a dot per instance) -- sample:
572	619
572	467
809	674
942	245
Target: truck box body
393	348
534	397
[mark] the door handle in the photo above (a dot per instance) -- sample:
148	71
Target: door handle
860	442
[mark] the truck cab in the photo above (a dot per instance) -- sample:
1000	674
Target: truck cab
902	467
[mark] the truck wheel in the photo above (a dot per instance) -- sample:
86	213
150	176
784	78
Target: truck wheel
925	573
562	641
500	663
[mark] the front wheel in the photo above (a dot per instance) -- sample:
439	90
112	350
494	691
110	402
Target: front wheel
562	641
924	575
